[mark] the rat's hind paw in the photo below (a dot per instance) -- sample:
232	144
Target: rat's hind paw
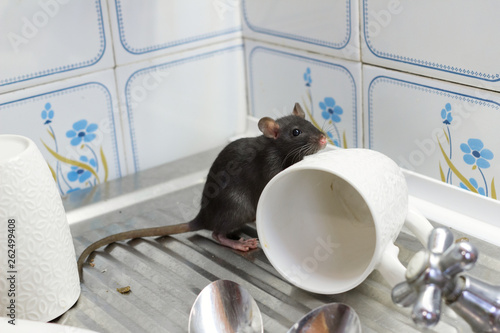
250	243
240	244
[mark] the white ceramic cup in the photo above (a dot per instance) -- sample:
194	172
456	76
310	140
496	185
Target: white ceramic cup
38	273
328	221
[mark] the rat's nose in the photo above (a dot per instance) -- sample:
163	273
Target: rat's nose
322	140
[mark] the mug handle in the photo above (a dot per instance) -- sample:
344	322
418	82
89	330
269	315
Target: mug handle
389	266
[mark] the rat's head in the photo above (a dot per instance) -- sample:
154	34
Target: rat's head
294	135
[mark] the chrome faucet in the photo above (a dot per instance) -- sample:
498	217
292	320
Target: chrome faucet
434	275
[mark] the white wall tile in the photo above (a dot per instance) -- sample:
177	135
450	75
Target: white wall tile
278	77
42	41
75	124
453	40
439	129
326	26
182	104
145	29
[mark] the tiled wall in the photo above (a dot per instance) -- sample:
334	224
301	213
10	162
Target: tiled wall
391	78
278	77
443	130
108	88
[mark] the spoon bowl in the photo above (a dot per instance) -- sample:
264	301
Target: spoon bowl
226	307
333	317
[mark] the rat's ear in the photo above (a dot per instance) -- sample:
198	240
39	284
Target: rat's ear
297	111
269	127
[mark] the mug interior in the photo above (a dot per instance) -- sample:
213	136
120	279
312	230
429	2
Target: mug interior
11	146
316	230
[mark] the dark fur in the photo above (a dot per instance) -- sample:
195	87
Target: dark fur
236	180
247	165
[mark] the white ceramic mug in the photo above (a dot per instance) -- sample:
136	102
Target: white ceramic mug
38	273
328	221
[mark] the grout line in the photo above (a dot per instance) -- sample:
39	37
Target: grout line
234	37
120	108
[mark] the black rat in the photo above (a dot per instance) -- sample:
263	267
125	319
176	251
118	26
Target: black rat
236	180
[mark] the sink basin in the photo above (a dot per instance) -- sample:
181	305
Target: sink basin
166	274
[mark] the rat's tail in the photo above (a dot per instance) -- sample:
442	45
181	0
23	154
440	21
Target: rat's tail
193	225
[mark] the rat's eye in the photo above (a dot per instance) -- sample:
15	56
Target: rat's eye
296	132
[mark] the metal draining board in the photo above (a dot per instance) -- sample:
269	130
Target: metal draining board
166	274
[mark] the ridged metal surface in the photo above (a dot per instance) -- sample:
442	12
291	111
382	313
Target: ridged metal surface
166	274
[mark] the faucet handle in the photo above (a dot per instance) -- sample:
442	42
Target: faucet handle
432	274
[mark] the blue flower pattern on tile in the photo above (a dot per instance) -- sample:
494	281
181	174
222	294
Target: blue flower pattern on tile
447	119
331	113
474	154
78	174
333	139
86	171
330	110
90	161
81	132
446	114
307	77
47	114
474	183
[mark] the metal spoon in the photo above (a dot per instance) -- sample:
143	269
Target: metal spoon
226	307
333	317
